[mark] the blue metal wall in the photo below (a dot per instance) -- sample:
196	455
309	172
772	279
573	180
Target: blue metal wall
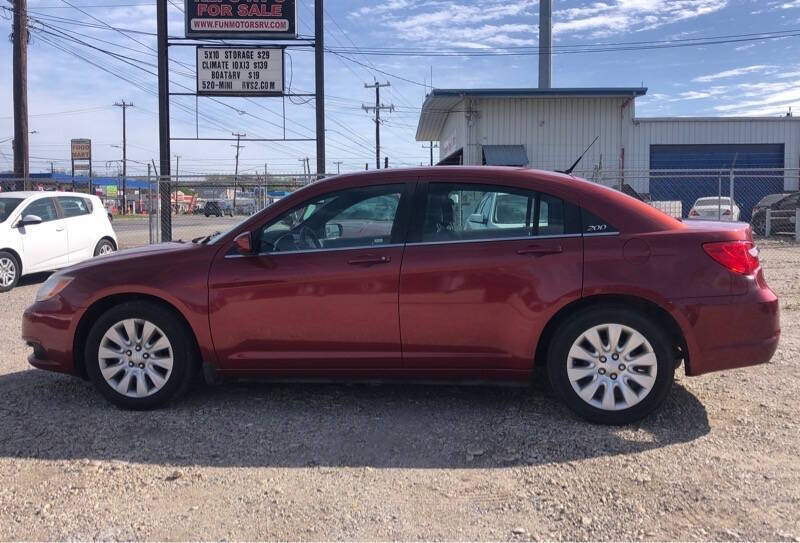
753	180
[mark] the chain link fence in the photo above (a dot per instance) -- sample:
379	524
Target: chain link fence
201	205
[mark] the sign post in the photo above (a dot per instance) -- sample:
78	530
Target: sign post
240	71
81	150
267	19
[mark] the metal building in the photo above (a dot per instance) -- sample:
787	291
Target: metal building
550	128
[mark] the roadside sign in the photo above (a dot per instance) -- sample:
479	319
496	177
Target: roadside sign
84	166
263	19
111	191
240	71
81	149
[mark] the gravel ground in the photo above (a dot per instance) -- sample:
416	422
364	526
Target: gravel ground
300	462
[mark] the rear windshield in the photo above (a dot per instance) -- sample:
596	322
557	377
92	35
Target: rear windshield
714	201
7	206
771	199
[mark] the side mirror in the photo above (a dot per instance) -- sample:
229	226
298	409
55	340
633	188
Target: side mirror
333	231
29	220
243	244
478	218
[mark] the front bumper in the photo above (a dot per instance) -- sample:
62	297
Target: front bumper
49	327
730	331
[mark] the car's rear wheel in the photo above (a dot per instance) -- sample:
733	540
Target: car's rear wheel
104	247
139	355
9	271
611	365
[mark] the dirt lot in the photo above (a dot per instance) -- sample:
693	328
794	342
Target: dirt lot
261	461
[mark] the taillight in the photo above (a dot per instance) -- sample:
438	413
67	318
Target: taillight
726	212
694	213
738	256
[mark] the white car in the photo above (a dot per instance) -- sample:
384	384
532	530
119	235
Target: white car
45	231
715	209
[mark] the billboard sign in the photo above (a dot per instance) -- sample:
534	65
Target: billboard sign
81	149
240	71
243	19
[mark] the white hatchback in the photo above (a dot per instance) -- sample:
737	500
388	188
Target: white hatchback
44	231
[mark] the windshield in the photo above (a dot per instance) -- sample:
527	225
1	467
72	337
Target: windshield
7	206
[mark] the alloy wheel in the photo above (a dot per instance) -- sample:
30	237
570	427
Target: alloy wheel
612	367
8	272
106	248
136	358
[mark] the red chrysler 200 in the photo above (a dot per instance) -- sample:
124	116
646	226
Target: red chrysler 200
442	274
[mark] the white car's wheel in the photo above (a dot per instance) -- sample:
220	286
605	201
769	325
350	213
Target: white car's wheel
104	247
9	271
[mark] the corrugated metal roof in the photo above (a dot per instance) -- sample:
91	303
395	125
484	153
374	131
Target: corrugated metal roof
441	102
527	92
505	155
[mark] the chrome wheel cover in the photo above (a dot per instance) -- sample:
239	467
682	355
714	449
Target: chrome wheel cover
135	358
8	272
612	367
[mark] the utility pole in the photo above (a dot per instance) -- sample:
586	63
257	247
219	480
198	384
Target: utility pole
239	137
319	82
266	186
163	119
338	167
308	167
377	108
124	105
431	147
20	69
177	180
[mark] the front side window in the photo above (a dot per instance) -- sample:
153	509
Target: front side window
73	206
44	208
351	218
7	206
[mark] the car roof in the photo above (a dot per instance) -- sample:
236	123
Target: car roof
42	193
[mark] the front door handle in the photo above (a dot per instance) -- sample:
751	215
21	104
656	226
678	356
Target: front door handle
538	250
60	229
369	260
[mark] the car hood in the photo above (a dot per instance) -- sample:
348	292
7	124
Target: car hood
148	252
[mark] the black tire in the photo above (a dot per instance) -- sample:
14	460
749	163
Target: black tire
578	324
12	266
183	351
104	246
759	225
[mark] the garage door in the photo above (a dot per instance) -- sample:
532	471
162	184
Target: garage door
753	163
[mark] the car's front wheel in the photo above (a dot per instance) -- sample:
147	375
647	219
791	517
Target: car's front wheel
9	271
139	355
611	365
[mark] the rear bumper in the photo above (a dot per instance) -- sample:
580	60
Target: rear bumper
730	331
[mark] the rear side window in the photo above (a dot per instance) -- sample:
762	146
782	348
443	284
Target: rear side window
592	224
73	206
43	208
465	212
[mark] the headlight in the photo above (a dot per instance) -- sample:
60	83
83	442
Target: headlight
53	286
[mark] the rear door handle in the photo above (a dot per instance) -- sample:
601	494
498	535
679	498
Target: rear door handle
538	250
369	260
61	229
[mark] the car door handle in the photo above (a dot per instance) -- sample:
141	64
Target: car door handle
369	260
538	250
60	229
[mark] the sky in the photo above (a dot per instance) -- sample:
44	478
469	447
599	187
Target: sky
72	87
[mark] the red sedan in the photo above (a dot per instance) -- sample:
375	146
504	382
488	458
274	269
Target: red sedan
442	274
